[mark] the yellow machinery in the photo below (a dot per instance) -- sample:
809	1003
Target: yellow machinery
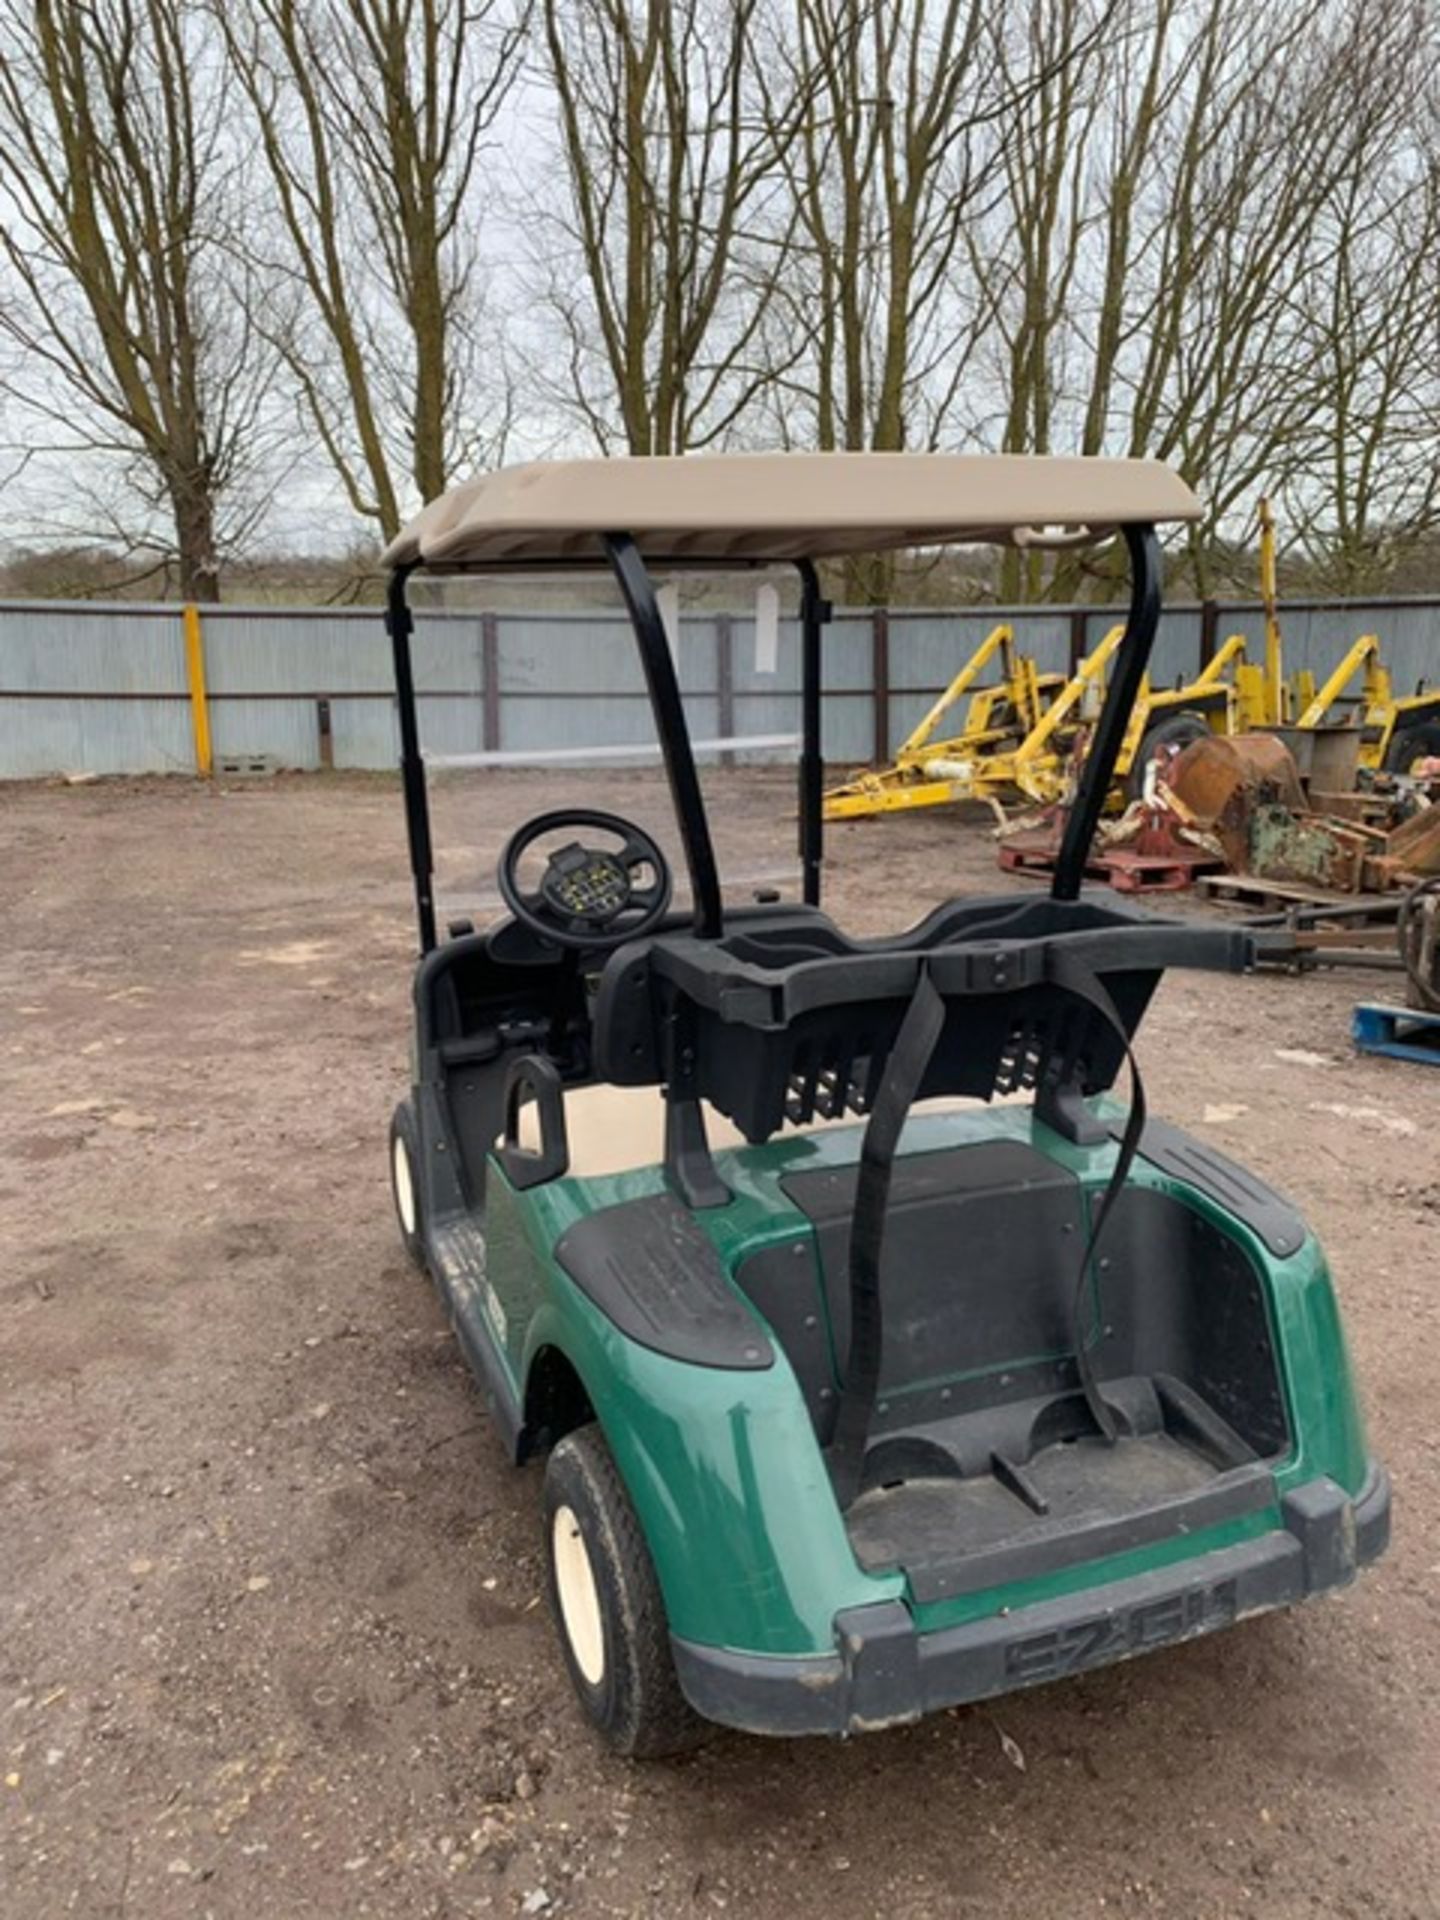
1264	697
986	757
1018	736
1395	733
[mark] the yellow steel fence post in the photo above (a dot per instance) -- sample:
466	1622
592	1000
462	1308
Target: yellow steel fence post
1275	700
195	673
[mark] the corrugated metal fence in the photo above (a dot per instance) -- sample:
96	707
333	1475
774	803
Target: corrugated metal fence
87	688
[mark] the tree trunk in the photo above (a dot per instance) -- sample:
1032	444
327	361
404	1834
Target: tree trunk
194	515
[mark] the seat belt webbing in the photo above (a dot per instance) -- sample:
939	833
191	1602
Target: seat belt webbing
1074	977
904	1071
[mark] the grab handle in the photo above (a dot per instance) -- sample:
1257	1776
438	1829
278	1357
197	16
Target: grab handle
535	1078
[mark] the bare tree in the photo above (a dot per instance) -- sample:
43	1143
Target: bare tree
884	170
130	332
372	116
1163	242
1367	313
1187	229
656	273
1044	222
894	155
1220	394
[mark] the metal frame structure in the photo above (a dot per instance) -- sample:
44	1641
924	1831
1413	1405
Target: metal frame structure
667	705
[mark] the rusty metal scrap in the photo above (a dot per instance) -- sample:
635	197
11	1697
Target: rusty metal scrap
1415	844
1222	781
1306	848
1419	938
1245	790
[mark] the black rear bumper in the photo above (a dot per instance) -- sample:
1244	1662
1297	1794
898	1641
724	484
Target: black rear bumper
884	1672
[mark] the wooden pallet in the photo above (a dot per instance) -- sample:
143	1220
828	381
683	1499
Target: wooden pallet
1244	890
1126	871
1134	872
1401	1033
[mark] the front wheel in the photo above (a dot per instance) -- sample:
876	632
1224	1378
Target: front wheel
405	1181
607	1605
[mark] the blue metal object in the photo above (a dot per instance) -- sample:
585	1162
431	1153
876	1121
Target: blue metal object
1402	1033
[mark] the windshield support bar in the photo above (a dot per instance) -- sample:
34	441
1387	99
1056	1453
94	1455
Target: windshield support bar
669	710
1130	665
814	614
400	624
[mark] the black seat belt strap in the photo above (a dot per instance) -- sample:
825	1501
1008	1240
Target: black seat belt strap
1078	980
904	1071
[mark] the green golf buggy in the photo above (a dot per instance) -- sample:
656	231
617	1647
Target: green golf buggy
863	1390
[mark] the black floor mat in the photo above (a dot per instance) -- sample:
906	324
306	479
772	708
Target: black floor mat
953	1535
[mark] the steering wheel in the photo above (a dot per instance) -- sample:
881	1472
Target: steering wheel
587	897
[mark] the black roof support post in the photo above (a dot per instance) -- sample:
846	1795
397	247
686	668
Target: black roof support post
1130	665
814	614
400	624
669	710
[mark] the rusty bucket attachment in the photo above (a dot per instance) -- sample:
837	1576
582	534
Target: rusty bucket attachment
1223	782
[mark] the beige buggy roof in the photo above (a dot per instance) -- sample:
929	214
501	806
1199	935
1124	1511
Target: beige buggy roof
756	507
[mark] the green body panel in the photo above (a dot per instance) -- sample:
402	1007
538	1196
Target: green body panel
724	1468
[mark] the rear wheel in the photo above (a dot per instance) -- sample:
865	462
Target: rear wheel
607	1605
1418	741
405	1181
1178	732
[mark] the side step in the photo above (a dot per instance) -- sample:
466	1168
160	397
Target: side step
458	1265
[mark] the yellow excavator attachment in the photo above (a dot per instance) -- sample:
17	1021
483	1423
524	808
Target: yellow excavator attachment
1019	733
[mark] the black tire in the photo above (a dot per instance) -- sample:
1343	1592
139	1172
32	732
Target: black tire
1420	740
405	1140
621	1668
1178	731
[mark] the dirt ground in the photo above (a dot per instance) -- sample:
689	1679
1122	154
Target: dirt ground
271	1640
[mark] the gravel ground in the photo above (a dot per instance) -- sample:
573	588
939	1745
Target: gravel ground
272	1639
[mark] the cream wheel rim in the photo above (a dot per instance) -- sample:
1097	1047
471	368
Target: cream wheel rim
579	1596
404	1184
